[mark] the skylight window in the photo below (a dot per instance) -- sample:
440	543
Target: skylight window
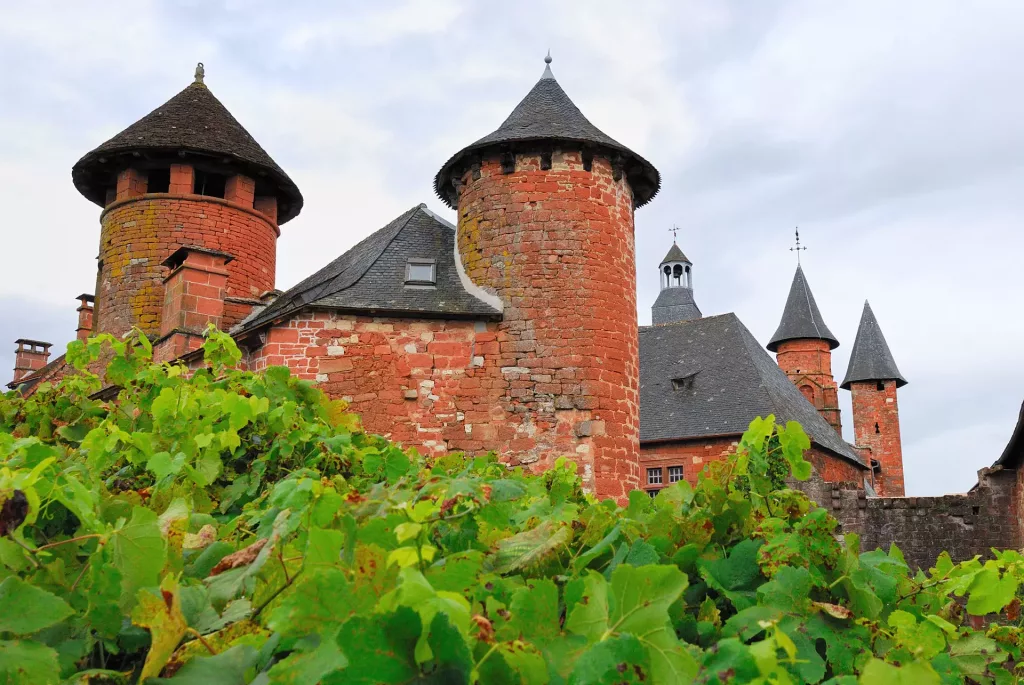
420	271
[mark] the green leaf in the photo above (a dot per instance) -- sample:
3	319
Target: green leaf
533	613
617	660
588	615
26	609
301	668
318	600
878	672
139	553
227	668
989	593
379	649
23	662
737	576
161	614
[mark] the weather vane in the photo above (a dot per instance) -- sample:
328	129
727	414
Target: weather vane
798	248
673	231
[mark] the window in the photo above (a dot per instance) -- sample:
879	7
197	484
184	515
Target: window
654	476
880	385
684	382
159	181
653	493
675	474
420	271
208	183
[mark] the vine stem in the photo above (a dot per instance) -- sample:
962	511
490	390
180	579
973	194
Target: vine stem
201	639
64	542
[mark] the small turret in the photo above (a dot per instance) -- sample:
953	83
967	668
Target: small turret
803	345
872	379
675	301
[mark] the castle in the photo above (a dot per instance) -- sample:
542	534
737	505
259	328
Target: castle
514	331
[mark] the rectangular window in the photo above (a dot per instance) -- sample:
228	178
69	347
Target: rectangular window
209	183
675	474
421	272
654	476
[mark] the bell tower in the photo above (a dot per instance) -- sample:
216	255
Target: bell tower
545	224
185	175
675	301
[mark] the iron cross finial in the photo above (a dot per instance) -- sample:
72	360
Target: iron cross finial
673	231
798	248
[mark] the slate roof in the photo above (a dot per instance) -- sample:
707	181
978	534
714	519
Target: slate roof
801	319
370	277
870	359
675	255
1013	455
192	121
674	304
547	114
733	381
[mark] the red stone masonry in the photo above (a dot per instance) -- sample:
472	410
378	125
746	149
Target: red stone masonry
139	231
808	363
428	384
557	246
876	428
693	455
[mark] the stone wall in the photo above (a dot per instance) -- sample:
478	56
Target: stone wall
553	237
139	233
964	525
692	455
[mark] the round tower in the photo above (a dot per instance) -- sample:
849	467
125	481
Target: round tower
872	379
185	175
675	301
545	222
803	347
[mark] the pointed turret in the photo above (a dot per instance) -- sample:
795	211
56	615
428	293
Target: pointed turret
871	359
872	379
801	319
675	301
803	345
543	120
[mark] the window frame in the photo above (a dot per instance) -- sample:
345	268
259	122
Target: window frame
417	262
651	471
678	471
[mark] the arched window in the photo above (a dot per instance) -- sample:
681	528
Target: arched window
808	392
689	278
667	280
677	274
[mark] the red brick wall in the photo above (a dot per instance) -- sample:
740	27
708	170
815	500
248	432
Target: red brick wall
139	233
808	363
876	427
557	246
693	455
426	384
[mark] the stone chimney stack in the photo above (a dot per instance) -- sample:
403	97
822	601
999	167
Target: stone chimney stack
194	292
30	356
85	308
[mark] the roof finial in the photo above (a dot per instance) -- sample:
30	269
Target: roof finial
547	67
797	249
200	73
673	231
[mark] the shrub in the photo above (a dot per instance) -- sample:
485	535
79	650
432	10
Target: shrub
220	526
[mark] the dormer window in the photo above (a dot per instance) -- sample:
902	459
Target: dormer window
420	271
684	382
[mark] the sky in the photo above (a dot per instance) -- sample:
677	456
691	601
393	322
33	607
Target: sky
890	133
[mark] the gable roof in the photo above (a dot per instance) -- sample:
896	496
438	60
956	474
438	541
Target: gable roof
734	381
675	255
192	121
870	359
370	277
674	304
547	114
801	319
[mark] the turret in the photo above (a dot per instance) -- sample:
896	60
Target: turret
803	346
186	174
675	301
545	226
872	378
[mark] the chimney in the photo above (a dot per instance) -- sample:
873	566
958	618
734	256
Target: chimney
194	291
30	356
85	308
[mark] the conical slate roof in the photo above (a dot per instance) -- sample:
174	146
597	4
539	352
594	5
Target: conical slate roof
193	121
547	114
801	319
675	255
871	359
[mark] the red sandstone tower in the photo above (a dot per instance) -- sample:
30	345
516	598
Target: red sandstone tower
873	378
545	222
803	345
187	175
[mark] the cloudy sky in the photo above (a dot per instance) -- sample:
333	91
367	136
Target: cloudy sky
890	133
